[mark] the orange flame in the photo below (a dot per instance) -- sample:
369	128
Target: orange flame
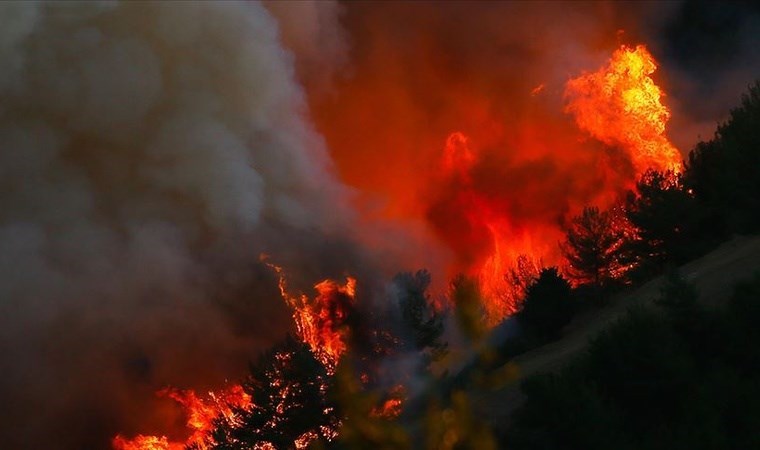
391	406
321	321
141	442
620	105
389	409
201	415
483	215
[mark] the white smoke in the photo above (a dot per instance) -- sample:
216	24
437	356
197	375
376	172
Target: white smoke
148	153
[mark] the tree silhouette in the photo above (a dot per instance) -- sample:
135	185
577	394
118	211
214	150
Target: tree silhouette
593	248
681	380
664	215
524	273
548	305
288	388
722	172
421	321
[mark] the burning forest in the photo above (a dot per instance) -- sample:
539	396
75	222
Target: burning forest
275	225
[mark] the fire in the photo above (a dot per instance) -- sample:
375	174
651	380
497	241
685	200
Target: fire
620	105
141	442
392	406
500	244
538	89
458	158
495	197
389	409
201	415
321	322
506	243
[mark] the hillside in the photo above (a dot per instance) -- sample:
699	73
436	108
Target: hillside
714	275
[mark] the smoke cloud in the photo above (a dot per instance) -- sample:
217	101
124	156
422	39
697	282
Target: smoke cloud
149	153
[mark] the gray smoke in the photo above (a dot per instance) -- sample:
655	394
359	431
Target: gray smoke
149	153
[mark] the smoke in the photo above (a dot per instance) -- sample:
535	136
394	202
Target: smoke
312	31
149	153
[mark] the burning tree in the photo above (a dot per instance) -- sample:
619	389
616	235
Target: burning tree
322	322
594	248
202	413
524	273
290	406
663	214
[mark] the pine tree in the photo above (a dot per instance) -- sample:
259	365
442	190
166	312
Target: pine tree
289	395
419	318
664	215
593	248
548	305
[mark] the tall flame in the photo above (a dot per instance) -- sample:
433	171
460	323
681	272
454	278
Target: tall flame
321	321
620	105
507	243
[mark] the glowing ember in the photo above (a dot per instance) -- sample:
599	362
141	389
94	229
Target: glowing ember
321	321
620	105
145	443
392	406
305	440
389	409
201	414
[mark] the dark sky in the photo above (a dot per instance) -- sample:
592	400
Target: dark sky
711	52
